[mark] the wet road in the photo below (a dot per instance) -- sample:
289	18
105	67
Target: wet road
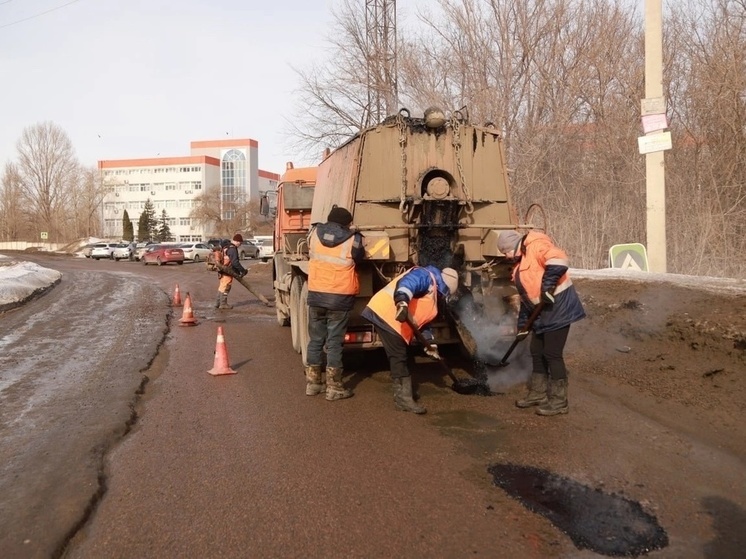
248	466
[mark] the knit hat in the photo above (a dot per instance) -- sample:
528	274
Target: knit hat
340	215
450	278
238	238
508	240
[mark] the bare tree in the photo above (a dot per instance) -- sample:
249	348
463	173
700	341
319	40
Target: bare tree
86	196
708	89
14	218
333	101
223	217
47	166
562	80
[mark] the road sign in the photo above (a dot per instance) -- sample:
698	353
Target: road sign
630	256
652	106
44	235
657	141
654	123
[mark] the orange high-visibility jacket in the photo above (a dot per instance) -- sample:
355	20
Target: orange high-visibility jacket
422	309
332	269
539	252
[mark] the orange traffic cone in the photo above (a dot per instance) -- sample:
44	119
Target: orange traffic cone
187	317
221	366
176	302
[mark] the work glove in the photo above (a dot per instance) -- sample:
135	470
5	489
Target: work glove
521	335
432	352
402	308
548	298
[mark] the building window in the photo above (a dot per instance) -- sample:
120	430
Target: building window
232	180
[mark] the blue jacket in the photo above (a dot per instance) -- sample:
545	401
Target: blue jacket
333	234
412	285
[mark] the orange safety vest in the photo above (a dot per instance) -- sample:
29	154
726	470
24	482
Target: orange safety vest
422	309
540	251
332	269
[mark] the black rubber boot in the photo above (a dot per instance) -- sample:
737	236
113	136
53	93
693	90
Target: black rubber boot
224	302
217	301
403	396
335	390
557	399
537	391
314	382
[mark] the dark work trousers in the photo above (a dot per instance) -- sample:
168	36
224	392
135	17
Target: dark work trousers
396	351
326	326
546	353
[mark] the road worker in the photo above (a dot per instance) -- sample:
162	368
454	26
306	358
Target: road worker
415	292
540	275
334	250
229	254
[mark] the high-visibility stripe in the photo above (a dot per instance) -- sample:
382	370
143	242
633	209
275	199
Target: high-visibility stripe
332	269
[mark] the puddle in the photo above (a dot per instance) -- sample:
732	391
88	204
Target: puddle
605	523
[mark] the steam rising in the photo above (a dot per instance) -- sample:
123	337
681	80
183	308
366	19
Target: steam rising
493	331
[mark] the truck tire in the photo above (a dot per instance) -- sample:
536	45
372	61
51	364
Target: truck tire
296	287
304	336
282	299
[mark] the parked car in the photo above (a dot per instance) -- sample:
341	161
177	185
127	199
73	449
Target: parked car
195	251
140	249
103	250
248	249
214	243
266	249
162	254
123	251
86	250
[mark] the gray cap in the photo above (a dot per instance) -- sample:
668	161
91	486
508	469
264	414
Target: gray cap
508	240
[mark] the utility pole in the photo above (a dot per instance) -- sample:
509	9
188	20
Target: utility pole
380	33
654	162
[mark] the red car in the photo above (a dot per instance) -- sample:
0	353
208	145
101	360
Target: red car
162	254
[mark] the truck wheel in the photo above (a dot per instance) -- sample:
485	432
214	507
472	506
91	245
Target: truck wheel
296	287
304	336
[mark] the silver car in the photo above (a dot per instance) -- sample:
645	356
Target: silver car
195	251
123	251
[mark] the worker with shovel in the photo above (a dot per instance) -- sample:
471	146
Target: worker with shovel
549	305
412	295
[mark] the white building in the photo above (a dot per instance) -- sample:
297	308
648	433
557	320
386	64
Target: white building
172	183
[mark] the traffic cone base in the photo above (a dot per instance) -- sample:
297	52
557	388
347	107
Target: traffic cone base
187	317
176	301
221	365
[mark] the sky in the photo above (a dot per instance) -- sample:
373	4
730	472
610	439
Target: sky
142	78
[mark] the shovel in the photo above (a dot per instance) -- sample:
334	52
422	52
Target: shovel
457	386
504	361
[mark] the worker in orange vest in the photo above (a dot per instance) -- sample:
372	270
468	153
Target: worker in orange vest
540	275
414	292
334	250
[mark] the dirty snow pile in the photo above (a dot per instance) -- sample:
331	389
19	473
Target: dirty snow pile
21	280
705	283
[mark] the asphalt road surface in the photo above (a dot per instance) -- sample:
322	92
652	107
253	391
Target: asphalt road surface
115	442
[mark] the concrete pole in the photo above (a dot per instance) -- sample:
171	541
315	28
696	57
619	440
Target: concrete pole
655	170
